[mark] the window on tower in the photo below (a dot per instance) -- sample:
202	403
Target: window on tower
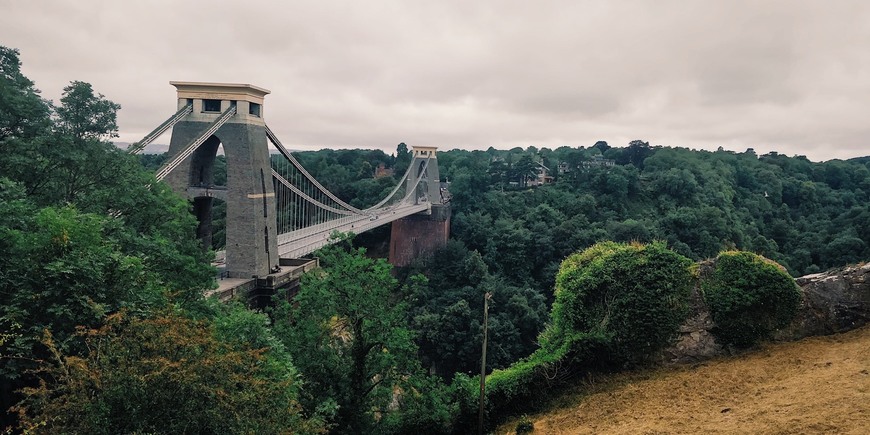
211	105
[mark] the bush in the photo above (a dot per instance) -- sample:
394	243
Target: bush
749	297
520	387
166	374
633	295
425	406
525	425
615	304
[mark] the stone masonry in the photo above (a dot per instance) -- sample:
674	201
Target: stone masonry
834	301
419	235
251	243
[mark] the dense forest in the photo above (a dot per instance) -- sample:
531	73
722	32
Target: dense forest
104	329
512	226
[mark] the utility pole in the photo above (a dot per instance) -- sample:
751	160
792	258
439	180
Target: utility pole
486	298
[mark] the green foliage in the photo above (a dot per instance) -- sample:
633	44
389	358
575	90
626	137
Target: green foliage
447	313
525	425
165	374
425	405
749	297
23	114
84	231
347	330
511	390
634	295
60	272
807	216
86	115
523	386
403	157
615	304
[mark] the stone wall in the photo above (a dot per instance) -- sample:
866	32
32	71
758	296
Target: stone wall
251	236
834	301
419	235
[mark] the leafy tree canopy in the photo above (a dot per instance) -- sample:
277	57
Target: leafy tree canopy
166	374
348	325
23	113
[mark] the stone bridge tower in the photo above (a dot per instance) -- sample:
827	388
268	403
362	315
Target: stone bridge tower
251	239
421	234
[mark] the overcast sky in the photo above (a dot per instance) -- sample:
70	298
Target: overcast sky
787	76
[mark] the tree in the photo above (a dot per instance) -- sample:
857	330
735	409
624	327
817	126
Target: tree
347	328
450	338
73	164
498	171
60	272
166	374
524	169
601	146
403	159
446	313
845	249
86	115
23	113
636	153
509	248
79	159
84	230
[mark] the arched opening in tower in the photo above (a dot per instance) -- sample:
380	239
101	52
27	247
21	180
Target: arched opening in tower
422	187
218	224
208	178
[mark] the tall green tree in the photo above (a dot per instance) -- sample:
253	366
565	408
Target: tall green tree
84	230
347	329
85	114
403	159
524	169
447	313
79	160
23	113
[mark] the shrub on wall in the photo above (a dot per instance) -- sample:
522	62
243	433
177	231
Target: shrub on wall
749	297
520	387
634	295
615	304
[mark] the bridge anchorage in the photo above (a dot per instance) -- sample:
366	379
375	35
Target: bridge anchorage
277	213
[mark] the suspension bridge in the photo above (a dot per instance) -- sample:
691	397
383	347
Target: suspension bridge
277	211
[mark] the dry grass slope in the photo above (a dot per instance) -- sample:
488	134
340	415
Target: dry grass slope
819	385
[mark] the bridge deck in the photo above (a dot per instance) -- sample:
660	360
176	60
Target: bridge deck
308	240
229	288
291	270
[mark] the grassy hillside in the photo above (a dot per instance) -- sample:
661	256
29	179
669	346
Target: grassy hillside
817	385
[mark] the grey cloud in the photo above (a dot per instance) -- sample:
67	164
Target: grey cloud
784	75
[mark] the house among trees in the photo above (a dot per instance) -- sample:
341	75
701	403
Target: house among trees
543	176
382	171
598	161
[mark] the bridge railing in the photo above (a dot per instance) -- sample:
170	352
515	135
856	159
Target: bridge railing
305	207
